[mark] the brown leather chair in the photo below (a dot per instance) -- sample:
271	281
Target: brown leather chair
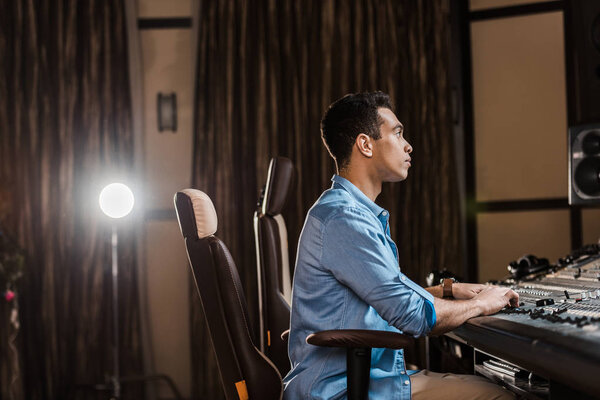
245	372
272	263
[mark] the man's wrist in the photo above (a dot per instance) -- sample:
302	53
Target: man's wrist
478	306
447	288
441	287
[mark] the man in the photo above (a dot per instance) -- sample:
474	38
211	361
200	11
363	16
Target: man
347	274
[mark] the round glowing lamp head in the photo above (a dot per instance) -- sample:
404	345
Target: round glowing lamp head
116	200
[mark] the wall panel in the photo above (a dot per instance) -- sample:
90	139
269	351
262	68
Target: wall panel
591	225
475	5
519	107
164	8
506	236
167	68
168	280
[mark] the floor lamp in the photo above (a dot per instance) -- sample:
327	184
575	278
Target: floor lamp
116	201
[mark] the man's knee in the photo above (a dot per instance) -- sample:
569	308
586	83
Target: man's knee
431	385
480	388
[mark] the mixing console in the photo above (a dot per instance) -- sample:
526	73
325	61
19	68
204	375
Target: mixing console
548	346
570	295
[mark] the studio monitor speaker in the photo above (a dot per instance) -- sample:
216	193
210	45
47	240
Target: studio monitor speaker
582	51
584	164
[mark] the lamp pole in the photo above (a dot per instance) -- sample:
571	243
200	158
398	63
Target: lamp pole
116	383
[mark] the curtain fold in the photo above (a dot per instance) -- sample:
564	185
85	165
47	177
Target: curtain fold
65	120
266	72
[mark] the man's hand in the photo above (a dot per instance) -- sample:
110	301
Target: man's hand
466	291
494	298
489	300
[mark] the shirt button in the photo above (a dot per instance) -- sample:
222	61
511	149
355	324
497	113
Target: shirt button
402	372
407	382
384	213
403	277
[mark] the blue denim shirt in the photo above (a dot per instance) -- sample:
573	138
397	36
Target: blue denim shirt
347	277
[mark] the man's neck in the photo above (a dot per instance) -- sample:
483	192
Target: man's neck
360	178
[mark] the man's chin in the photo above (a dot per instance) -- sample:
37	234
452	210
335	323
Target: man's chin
397	178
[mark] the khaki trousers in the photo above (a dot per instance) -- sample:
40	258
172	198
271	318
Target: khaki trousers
427	385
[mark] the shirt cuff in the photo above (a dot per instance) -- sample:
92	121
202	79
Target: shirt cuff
430	314
428	297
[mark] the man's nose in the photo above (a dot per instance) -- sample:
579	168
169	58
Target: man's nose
408	148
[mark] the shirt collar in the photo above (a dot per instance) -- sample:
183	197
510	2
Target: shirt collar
359	196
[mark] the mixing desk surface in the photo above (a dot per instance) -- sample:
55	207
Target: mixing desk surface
554	333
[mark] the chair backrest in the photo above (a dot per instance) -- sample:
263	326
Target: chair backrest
245	371
273	266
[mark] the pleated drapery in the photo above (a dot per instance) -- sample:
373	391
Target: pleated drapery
266	72
65	121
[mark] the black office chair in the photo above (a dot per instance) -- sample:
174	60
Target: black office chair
245	372
272	263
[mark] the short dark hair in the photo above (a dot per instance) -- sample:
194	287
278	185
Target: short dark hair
349	116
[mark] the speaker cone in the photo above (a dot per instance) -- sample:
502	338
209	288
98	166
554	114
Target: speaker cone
591	143
587	176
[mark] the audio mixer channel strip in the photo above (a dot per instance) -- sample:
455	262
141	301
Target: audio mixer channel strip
554	334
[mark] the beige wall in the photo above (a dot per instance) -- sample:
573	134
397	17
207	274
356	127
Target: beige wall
591	225
476	5
167	67
164	8
520	131
506	236
519	106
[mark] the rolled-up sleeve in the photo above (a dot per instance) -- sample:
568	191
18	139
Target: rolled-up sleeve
356	252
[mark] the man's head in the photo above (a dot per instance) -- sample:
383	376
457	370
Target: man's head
348	117
361	132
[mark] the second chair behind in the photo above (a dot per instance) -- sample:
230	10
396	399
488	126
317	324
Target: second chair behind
273	268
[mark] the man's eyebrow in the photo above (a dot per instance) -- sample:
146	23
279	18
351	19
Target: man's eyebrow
399	126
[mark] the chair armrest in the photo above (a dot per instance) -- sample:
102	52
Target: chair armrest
360	338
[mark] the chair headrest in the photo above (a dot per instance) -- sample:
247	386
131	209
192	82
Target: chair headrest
279	180
196	213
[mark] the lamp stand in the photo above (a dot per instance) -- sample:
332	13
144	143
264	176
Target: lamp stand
115	381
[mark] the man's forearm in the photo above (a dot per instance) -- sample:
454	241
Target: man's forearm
436	291
451	314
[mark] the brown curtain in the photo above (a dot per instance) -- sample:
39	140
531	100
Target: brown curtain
267	70
65	120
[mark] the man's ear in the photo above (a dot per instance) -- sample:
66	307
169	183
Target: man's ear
364	144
